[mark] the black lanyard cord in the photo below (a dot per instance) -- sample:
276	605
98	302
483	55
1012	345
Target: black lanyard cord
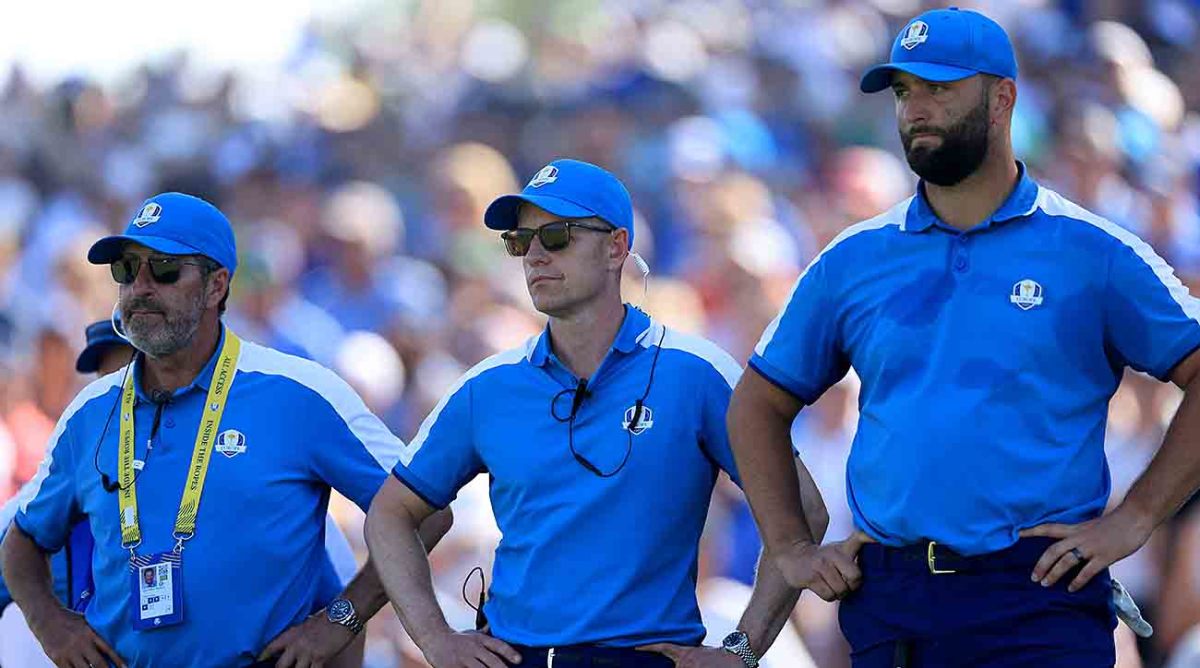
160	401
580	392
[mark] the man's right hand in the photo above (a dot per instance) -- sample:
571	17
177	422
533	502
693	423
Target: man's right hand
468	649
830	571
70	642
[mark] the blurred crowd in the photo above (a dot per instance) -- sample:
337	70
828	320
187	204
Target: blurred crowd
357	172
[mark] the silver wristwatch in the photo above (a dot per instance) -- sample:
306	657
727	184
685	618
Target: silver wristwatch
341	612
739	643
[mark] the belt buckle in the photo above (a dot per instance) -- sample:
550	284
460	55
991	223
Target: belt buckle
931	560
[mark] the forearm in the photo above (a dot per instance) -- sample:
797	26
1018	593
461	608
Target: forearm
761	442
1174	473
770	606
27	574
393	540
366	590
816	515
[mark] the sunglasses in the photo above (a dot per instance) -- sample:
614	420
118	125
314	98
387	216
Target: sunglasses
164	270
554	236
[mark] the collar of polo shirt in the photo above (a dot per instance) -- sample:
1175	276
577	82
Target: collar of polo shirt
200	382
634	327
1020	203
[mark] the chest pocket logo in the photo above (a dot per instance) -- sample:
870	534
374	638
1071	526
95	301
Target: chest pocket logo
231	442
1026	294
644	421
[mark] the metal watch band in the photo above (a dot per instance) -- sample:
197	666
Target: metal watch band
353	623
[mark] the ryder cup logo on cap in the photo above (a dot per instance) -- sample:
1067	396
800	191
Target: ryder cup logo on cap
916	33
568	189
149	214
173	224
549	174
946	45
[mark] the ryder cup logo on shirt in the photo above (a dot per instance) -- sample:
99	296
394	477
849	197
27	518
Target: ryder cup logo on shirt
917	33
1026	294
548	174
149	214
231	442
644	422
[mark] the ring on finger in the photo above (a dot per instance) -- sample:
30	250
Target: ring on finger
1078	554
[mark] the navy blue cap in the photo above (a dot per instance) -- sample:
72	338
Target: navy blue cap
571	189
946	45
174	224
100	337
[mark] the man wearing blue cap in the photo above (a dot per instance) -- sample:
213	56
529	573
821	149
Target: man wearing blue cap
602	438
990	321
208	463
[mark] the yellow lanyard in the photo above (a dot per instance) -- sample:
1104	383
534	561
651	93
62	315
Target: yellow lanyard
210	419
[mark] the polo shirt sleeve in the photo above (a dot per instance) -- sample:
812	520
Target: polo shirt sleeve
354	450
719	380
442	456
1151	321
801	350
47	506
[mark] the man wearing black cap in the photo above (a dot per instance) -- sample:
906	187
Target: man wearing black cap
990	320
602	438
209	461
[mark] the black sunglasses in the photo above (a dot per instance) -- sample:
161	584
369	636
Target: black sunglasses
554	236
164	270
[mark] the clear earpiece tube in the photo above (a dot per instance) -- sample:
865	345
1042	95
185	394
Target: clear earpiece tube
116	322
645	269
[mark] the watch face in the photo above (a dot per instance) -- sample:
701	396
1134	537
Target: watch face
734	639
340	609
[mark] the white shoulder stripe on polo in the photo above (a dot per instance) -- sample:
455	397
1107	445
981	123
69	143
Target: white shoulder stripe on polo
94	390
505	358
893	216
699	346
1054	204
379	441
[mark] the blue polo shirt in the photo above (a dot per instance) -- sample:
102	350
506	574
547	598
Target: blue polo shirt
254	566
585	559
987	361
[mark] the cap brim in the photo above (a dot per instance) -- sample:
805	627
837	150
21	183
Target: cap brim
880	77
502	213
109	249
89	359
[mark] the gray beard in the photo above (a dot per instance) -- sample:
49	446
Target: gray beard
170	336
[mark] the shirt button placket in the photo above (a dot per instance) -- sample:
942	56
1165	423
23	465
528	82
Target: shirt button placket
961	258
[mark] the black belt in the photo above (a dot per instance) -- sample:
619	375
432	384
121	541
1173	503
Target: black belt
589	655
937	559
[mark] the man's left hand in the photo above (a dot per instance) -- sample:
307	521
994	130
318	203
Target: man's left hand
696	657
1097	544
310	644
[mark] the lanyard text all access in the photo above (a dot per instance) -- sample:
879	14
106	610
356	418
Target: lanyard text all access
210	420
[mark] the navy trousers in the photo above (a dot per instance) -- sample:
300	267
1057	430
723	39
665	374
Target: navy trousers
987	614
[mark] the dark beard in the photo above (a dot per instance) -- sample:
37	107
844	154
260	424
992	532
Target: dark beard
963	148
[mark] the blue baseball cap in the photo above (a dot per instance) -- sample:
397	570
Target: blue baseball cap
571	189
174	224
946	45
100	337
